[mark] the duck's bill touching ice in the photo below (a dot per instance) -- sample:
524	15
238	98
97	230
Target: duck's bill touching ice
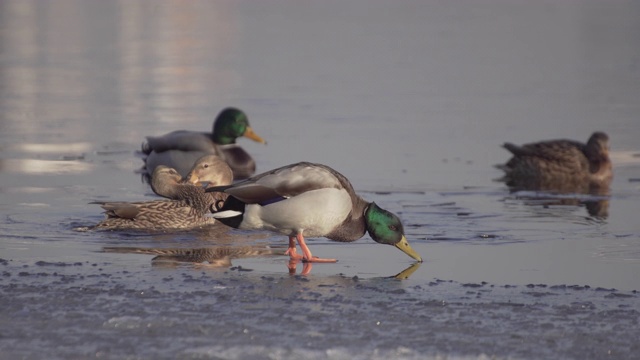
311	200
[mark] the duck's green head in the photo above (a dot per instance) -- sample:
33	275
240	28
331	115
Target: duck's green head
231	124
386	228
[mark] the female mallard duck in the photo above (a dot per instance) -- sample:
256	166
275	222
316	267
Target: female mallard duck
563	165
207	171
180	149
312	200
188	205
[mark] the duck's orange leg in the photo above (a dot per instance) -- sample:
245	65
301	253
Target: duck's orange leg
291	251
307	253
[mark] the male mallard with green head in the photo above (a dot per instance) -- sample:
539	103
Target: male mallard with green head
180	149
312	200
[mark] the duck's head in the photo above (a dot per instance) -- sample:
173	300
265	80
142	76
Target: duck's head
231	124
599	143
597	151
386	228
210	169
164	179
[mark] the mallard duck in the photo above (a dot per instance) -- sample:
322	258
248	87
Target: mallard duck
164	181
180	149
563	165
187	207
208	171
312	200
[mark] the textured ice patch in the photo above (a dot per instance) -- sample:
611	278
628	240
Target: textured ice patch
339	353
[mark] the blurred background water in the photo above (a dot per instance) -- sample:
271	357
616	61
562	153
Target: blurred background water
411	100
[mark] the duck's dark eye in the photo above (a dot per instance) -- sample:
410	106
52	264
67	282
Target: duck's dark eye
206	166
393	228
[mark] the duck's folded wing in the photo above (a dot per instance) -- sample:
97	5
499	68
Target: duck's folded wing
284	182
181	140
121	210
550	150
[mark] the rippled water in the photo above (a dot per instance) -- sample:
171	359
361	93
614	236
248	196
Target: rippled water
409	100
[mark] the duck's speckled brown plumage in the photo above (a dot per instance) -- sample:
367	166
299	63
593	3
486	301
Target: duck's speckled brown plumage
208	171
153	215
164	182
561	165
188	205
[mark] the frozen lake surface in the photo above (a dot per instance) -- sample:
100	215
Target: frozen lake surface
410	100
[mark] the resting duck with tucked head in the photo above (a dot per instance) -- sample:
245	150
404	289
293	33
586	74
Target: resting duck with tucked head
312	200
188	203
180	149
562	165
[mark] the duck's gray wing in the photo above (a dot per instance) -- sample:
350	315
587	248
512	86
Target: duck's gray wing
182	140
285	182
181	161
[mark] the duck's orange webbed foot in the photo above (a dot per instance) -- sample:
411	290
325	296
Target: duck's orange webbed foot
291	251
308	257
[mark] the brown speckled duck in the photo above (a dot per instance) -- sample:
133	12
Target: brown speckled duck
180	149
560	165
188	205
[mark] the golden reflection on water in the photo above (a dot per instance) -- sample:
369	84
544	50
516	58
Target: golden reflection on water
58	87
158	54
53	148
44	167
147	67
69	159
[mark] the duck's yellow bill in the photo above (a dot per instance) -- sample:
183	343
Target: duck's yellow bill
406	248
253	136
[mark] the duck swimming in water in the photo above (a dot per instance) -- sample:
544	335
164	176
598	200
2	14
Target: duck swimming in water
180	149
188	205
561	165
312	200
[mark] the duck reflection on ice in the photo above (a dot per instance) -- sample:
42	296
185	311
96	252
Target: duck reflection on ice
221	256
218	256
406	273
307	266
597	205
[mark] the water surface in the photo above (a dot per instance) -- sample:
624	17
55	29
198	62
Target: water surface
409	100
